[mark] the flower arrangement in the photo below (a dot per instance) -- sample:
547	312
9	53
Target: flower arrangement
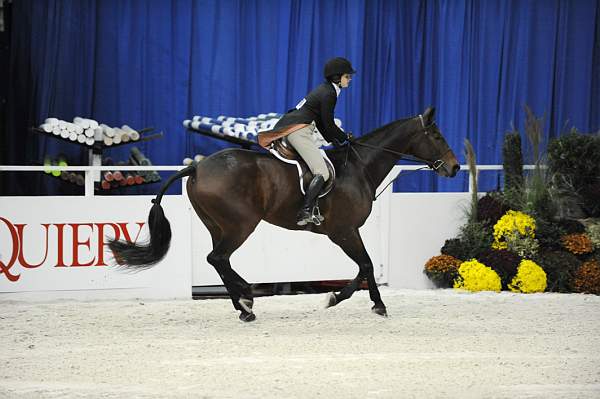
530	278
475	276
511	224
587	278
442	270
577	243
533	236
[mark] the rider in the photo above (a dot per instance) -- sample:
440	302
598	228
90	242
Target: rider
317	109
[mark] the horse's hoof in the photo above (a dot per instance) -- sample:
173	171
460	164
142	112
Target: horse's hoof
330	300
246	317
380	310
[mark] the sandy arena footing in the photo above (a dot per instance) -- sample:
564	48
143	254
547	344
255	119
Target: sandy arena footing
437	343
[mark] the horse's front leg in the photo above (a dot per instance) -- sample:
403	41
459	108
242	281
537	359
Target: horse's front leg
352	244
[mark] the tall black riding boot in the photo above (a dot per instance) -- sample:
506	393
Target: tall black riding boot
305	214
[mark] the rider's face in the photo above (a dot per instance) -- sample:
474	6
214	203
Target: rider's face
345	80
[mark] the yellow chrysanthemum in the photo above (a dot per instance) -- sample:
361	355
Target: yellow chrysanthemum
530	278
475	276
511	224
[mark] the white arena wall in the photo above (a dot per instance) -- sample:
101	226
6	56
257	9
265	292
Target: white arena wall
51	247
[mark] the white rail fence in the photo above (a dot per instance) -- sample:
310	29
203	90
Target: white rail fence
91	171
56	248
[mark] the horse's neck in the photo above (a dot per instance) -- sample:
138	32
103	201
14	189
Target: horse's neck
379	162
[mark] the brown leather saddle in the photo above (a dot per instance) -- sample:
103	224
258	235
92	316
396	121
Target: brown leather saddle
281	149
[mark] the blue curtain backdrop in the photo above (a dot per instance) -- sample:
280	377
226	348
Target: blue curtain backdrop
156	63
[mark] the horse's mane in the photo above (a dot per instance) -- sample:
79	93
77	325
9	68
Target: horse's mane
384	127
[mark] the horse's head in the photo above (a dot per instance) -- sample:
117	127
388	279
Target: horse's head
429	145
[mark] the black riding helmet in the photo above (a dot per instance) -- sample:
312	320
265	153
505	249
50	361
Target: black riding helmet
337	66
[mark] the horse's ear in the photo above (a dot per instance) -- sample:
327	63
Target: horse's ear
429	115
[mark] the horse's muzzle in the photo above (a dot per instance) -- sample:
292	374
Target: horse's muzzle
449	165
445	169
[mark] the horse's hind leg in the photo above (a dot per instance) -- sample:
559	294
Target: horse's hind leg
239	290
351	243
224	244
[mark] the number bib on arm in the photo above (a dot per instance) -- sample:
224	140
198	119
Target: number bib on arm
301	103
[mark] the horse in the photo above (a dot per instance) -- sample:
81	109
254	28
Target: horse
234	189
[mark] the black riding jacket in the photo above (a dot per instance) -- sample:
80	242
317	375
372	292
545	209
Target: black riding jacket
317	106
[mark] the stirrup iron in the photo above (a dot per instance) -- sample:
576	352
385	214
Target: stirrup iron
317	218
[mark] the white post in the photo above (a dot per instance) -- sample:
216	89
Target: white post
89	183
92	176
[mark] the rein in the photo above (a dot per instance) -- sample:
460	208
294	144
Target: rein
372	184
434	166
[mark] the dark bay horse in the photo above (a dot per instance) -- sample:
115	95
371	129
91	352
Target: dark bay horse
234	189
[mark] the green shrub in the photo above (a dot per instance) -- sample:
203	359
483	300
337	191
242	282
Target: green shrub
513	168
454	247
573	163
476	238
560	268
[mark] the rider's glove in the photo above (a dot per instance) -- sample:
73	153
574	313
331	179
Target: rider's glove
340	142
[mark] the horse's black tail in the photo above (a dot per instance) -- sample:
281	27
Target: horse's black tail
136	257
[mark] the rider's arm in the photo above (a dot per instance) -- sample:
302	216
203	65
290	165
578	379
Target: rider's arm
330	131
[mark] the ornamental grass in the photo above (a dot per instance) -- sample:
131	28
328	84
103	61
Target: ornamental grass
560	268
442	270
503	262
530	278
587	278
475	276
513	223
577	243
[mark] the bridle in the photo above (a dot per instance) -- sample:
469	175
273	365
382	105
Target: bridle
435	165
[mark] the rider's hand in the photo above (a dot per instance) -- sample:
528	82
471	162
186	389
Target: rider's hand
340	142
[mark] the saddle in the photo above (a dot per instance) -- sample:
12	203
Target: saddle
282	150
